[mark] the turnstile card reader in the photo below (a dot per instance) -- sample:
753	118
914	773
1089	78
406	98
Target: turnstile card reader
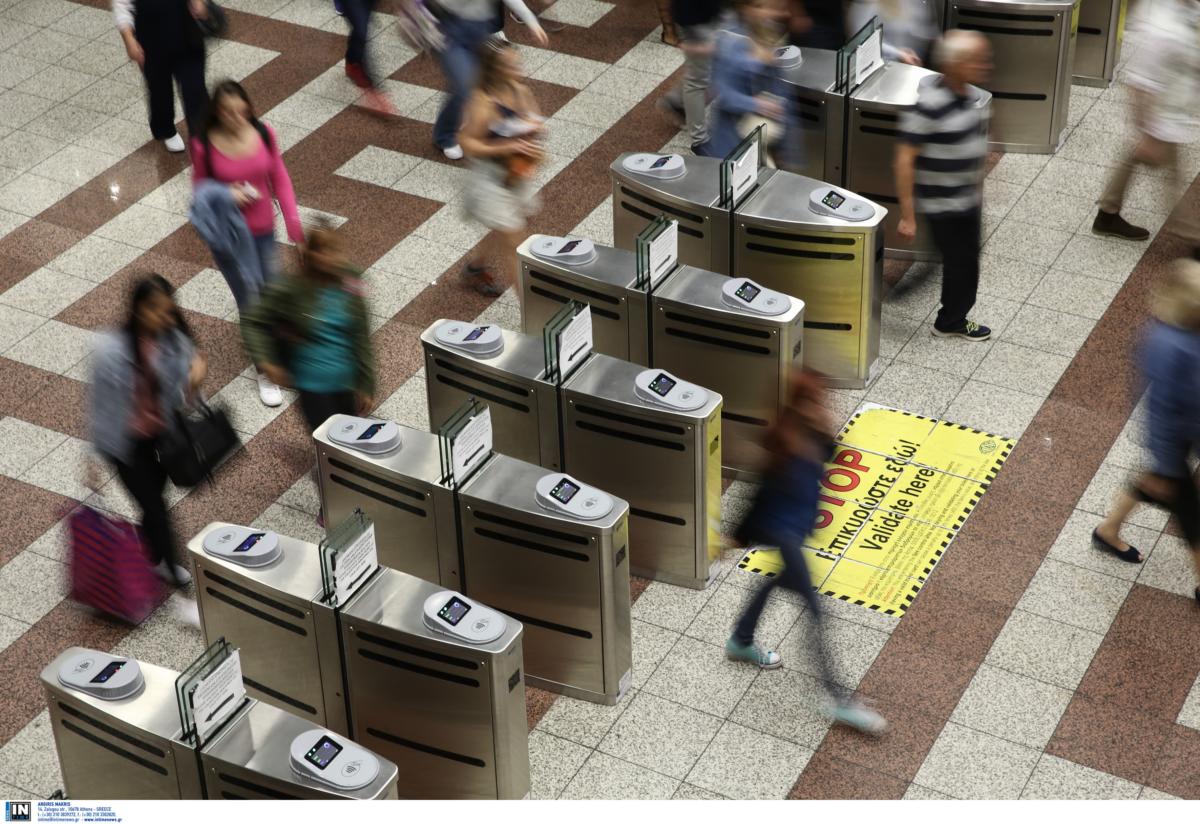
632	432
445	611
563	494
99	674
477	340
326	758
448	710
565	250
565	578
745	294
788	57
243	546
399	491
834	202
374	437
660	166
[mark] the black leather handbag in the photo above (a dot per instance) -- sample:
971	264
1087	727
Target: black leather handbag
216	23
191	451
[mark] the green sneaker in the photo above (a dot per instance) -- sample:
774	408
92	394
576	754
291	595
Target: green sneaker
856	714
737	651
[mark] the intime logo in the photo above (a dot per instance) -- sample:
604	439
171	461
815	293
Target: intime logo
18	811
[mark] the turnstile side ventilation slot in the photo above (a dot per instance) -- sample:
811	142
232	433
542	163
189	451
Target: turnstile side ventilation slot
833	327
113	731
657	516
809	117
736	418
392	485
727	344
884	116
545	293
510	388
824	240
483	394
1090	30
645	440
534	545
686	230
257	613
378	496
249	593
1003	15
1018	96
1002	30
255	788
663	207
279	696
591	294
418	669
425	748
487	517
625	419
802	253
550	625
113	748
732	328
371	638
878	130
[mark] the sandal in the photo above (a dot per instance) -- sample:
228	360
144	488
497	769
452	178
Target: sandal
1130	554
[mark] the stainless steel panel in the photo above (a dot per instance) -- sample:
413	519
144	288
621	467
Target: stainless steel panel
250	759
819	112
267	613
524	407
1033	45
834	266
450	714
1098	46
619	324
126	749
567	581
674	496
745	357
413	514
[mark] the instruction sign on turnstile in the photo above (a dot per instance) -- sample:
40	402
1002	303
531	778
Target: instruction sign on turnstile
348	558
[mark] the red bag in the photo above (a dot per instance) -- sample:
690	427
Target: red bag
109	567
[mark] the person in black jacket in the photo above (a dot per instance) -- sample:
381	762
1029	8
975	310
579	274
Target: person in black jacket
164	39
687	103
819	24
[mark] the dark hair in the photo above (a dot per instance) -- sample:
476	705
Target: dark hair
146	288
212	120
489	62
320	236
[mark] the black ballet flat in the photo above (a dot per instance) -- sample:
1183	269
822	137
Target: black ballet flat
1131	555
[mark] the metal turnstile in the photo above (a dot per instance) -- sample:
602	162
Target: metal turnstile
566	578
693	199
1033	43
666	462
1098	47
606	284
833	264
746	357
290	652
450	713
819	113
524	407
400	491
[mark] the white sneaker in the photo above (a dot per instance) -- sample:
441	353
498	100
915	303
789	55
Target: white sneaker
856	714
174	143
173	573
269	393
454	152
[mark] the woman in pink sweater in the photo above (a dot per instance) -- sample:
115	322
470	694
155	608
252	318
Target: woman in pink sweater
236	148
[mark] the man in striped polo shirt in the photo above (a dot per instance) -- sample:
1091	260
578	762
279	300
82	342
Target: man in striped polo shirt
939	159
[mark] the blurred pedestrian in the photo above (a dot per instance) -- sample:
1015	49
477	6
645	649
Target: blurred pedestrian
163	38
311	331
238	150
1163	77
782	515
909	27
687	103
939	172
358	69
670	34
142	375
466	26
748	88
818	24
1170	365
502	136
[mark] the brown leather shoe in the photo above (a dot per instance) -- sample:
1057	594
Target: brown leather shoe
1113	225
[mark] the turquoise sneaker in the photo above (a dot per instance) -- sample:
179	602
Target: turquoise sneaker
854	713
737	651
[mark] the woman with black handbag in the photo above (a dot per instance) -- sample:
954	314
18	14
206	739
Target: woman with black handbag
142	375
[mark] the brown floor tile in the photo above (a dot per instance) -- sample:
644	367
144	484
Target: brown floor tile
20	383
537	704
829	778
1178	769
1164	621
945	621
26	512
899	753
61	404
1111	739
637	585
1153	682
85	210
398	355
36	242
912	675
137	175
107	305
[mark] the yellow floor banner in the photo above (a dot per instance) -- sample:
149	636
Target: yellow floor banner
895	493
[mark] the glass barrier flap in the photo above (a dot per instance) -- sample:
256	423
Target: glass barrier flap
465	442
647	251
348	557
550	334
209	692
740	169
861	56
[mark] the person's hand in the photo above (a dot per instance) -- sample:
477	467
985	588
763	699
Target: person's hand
770	109
197	372
363	402
539	35
199	9
241	198
910	57
907	228
134	49
276	374
530	148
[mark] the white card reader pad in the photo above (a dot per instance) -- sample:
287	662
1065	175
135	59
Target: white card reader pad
834	202
788	57
369	435
563	494
569	251
101	675
330	759
661	166
747	295
661	388
243	546
453	614
469	338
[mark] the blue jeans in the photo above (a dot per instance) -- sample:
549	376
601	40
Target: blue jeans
358	15
460	63
247	281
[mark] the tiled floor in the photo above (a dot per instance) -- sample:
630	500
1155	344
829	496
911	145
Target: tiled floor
1029	666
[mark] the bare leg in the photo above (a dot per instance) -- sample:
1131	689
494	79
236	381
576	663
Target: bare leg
1110	528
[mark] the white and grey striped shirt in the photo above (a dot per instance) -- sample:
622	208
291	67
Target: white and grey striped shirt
951	133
